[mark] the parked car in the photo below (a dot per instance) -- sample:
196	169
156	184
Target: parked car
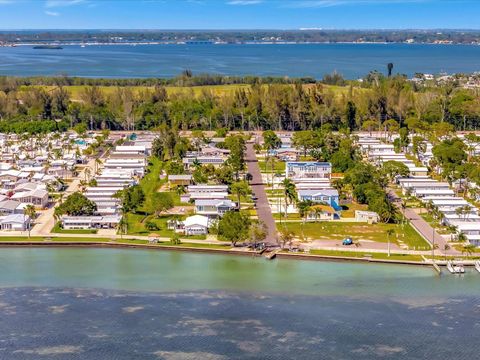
347	241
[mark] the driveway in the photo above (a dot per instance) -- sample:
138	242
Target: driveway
258	188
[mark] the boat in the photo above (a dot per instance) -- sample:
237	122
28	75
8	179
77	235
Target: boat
455	268
477	265
48	47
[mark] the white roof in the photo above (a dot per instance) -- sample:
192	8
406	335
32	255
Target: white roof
130	148
466	225
196	220
434	191
15	218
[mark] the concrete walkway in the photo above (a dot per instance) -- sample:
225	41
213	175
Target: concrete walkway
258	188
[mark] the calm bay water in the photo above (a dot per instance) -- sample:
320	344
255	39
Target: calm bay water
352	60
140	304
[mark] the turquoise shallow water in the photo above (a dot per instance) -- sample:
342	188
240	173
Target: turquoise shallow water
315	60
165	271
61	303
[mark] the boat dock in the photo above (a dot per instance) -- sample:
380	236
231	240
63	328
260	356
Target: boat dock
272	254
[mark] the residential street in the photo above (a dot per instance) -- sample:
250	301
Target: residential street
258	188
423	227
45	221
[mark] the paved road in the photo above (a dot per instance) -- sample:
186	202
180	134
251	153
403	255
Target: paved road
45	222
423	227
258	188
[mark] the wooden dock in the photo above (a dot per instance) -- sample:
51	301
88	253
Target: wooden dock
437	268
270	255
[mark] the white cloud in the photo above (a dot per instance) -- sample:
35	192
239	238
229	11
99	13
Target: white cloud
244	2
52	13
62	3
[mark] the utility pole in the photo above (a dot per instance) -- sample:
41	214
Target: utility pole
433	244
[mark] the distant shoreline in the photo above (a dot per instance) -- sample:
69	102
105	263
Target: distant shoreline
224	43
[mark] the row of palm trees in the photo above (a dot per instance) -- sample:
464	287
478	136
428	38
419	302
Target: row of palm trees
462	211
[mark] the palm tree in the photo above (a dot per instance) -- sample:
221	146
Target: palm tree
357	244
446	247
289	192
180	190
317	211
97	165
240	188
83	185
389	233
60	198
87	173
286	236
462	237
303	209
31	213
123	225
468	249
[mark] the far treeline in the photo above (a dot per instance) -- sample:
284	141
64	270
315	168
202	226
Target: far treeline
377	102
241	36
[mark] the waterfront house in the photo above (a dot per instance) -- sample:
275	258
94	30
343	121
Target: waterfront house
196	225
14	222
90	222
214	208
322	196
322	212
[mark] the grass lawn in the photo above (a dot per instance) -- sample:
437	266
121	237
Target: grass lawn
279	166
151	182
76	90
44	238
136	226
274	192
349	209
379	256
358	231
441	229
58	229
126	240
277	216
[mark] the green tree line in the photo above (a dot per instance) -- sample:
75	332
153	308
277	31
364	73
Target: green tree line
376	103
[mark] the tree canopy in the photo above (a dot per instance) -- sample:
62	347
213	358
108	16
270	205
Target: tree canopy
76	204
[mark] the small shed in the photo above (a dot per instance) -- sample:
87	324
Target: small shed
370	217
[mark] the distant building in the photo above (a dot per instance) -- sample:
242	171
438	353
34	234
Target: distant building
308	169
370	217
322	196
180	180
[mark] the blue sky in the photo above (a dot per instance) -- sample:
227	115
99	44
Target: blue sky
239	14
